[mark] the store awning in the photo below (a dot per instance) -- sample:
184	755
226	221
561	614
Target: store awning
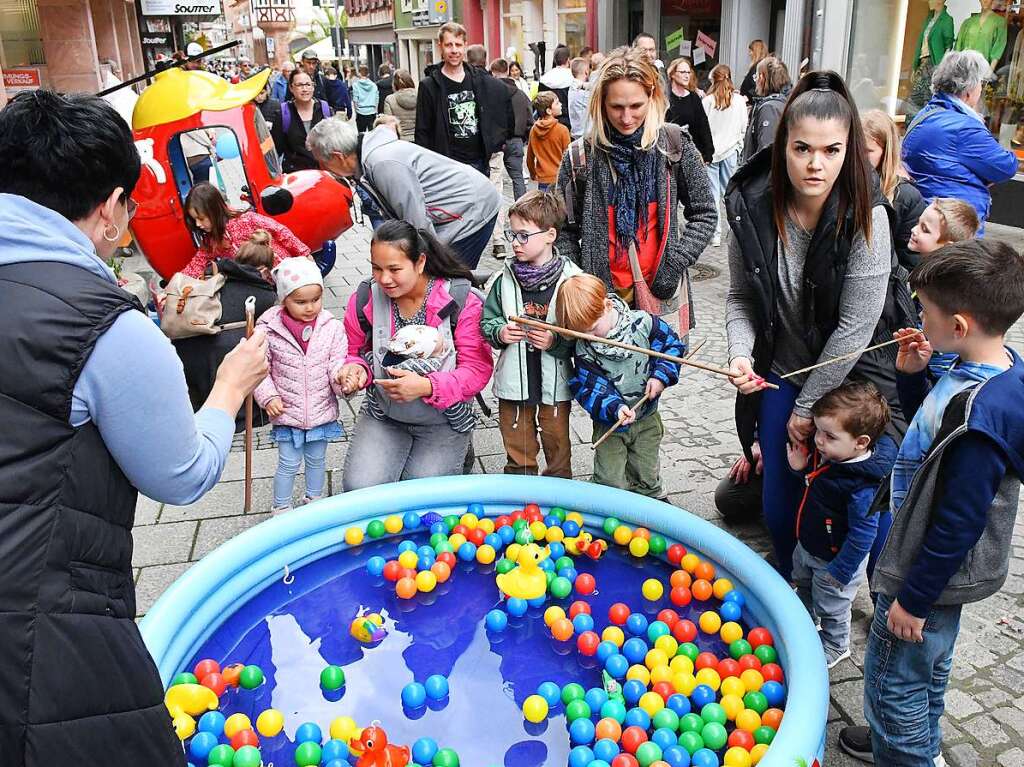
379	35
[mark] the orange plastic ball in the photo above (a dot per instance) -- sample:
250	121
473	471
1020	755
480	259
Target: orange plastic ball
642	532
231	673
562	629
406	588
441	571
608	728
722	587
680	579
704	571
690	562
622	535
772	718
701	590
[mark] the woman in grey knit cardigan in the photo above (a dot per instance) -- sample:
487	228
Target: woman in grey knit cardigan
626	179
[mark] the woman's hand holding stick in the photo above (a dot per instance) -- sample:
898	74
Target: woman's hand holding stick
904	335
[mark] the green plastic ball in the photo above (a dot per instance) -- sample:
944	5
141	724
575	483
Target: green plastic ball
613	709
446	757
691	723
520	524
571	692
451	521
376	529
713	712
247	756
764	734
666	719
221	756
756	702
251	677
739	648
561	587
524	537
308	754
548	578
577	709
689	649
714	735
609	525
648	753
504	566
184	677
437	538
332	678
692	742
559	512
766	654
658	545
563	562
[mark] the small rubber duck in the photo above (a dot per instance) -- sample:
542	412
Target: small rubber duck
376	752
578	545
368	628
527	581
596	549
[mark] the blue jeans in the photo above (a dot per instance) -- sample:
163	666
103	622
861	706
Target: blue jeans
904	687
782	488
471	247
719	174
826	598
289	459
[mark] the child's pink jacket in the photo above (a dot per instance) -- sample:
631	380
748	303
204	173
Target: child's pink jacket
304	382
237	232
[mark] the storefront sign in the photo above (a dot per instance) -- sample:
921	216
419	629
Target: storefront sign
180	7
21	79
707	43
673	40
157	41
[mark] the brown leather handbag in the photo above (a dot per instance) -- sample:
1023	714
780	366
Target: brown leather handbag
191	306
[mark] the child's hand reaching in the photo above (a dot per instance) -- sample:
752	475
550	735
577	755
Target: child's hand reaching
511	334
626	415
275	407
351	378
914	351
654	388
798	456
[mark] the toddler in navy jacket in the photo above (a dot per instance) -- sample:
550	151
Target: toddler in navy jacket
834	525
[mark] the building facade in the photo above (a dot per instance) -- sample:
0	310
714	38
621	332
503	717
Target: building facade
371	32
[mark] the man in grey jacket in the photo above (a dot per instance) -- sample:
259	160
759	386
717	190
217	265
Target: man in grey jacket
430	191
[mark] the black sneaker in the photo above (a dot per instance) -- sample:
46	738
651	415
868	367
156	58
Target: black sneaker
856	741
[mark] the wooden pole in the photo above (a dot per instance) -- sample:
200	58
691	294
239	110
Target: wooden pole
842	357
250	324
618	423
629	347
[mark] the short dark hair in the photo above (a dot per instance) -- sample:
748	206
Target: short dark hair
542	102
476	55
983	279
642	36
363	70
66	153
561	56
544	209
384	70
586	50
858	406
499	67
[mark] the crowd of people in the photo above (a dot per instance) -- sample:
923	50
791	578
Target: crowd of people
900	464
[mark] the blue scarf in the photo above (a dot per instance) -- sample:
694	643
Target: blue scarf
928	419
633	185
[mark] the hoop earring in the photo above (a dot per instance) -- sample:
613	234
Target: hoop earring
117	233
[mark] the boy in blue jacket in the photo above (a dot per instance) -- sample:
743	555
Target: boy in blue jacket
953	494
834	527
609	381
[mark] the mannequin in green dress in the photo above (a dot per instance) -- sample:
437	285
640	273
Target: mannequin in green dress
984	32
936	38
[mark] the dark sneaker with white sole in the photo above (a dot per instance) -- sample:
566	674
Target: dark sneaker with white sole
856	741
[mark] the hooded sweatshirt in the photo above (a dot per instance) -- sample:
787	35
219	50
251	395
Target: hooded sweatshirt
133	385
559	80
402	104
548	141
365	96
426	189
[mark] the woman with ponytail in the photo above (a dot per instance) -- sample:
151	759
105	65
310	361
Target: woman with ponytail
727	118
417	417
811	267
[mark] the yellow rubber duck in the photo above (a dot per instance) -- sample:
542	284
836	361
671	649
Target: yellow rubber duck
527	581
578	545
185	702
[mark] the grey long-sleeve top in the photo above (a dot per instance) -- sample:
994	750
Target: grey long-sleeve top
860	305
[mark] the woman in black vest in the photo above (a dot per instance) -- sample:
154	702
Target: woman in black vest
298	116
95	409
810	265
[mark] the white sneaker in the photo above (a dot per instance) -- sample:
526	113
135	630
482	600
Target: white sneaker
940	761
278	510
716	241
310	498
833	658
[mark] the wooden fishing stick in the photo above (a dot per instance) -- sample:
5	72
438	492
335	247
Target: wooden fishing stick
618	423
628	347
250	324
850	355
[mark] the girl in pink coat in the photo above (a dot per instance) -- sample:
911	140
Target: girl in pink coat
306	350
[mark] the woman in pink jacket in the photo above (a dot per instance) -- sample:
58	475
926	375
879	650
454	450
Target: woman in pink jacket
306	350
413	424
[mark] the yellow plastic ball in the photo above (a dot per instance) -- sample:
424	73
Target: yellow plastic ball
538	530
353	536
710	622
574	516
690	562
639	547
343	728
730	632
512	552
639	673
614	635
731	685
270	723
661	674
655	658
709	677
235	724
757	752
651	702
486	524
486	554
622	535
731	704
684	683
737	756
469	520
408	559
752	679
426	581
722	587
668	645
681	664
552	614
554	534
393	524
748	720
652	588
456	540
535	709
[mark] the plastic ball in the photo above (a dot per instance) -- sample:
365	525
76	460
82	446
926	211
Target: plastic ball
436	687
605	749
680	596
581	731
408	559
406	588
184	677
613	709
636	624
212	722
684	683
709	677
632	690
740	738
766	653
486	554
637	717
727	667
441	570
756	701
583	622
269	723
623	535
732	705
562	629
423	750
308	731
639	674
757	752
624	760
774	693
658	544
202	744
737	757
332	678
733	686
414	695
679	704
772	672
648	753
251	677
595	698
608	728
335	750
702	695
666	718
730	611
571	692
684	631
535	709
730	631
618	613
752	679
552	614
467	552
516	607
759	636
587	643
632	738
581	756
651	703
772	717
655	658
375	566
235	724
662	674
652	589
585	584
560	587
496	620
376	529
704	757
616	665
426	581
577	709
614	634
748	720
247	755
221	756
639	547
764	734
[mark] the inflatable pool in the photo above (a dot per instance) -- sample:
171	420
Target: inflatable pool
282	596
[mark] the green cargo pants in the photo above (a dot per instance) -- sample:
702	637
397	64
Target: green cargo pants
631	460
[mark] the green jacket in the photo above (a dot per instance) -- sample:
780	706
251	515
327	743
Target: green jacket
939	41
505	298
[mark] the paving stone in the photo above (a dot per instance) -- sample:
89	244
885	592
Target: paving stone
225	500
1012	758
213	532
962	755
1012	717
146	510
986	730
162	544
848	698
960	705
153	581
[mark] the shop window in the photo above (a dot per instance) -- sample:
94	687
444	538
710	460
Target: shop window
21	43
572	24
691	18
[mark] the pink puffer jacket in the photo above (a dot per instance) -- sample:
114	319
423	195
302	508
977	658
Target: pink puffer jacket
304	382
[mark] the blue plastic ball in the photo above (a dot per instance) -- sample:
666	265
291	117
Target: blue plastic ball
552	521
494	541
496	620
735	596
414	695
516	606
411	520
547	565
583	622
570	528
639	717
202	744
212	721
406	545
774	693
581	732
426	563
606	749
436	686
538	602
656	630
423	750
676	756
550	692
606	649
632	690
599	763
581	756
664	738
617	666
439	527
309	731
375	566
335	749
595	698
569	573
704	757
730	611
702	695
467	551
508	534
615	710
476	509
557	549
678	703
635	649
425	551
338	763
636	624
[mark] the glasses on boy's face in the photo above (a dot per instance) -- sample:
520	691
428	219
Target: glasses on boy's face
521	237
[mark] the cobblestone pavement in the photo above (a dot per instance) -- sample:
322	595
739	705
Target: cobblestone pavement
984	721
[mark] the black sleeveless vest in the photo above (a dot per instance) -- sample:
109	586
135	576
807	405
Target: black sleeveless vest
77	685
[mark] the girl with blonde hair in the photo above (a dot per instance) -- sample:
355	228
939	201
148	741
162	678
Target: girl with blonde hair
685	108
727	118
748	88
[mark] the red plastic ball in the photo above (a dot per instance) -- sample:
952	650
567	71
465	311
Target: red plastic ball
664	689
669	617
460	530
502	520
632	737
245	737
625	760
215	682
577	607
587	643
407	572
750	661
585	584
618	614
532	517
680	596
706	660
477	536
684	631
517	515
206	666
741	738
728	667
759	636
392	571
447	557
675	553
772	672
531	508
